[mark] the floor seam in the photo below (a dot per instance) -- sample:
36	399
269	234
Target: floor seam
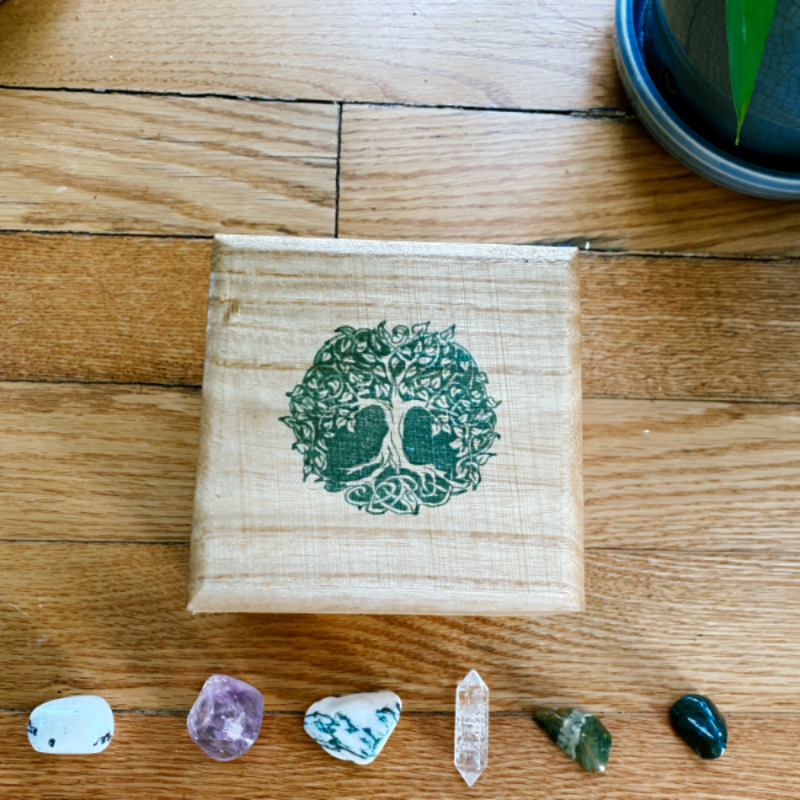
577	241
601	112
338	171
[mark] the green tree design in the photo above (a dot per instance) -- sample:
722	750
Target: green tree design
394	419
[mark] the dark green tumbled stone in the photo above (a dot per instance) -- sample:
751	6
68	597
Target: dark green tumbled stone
580	735
698	722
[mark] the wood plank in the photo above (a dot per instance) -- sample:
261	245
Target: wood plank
114	463
454	175
690	327
120	164
103	308
481	52
393	469
132	310
153	757
691	475
78	618
111	463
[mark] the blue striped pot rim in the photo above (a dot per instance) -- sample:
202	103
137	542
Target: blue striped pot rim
677	138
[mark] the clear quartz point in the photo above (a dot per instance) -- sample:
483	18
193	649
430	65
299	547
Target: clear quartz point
472	727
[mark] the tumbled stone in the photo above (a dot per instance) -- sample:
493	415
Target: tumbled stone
225	720
698	722
580	735
71	725
354	727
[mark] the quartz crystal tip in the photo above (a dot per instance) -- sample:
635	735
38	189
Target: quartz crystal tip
225	720
698	722
472	727
580	735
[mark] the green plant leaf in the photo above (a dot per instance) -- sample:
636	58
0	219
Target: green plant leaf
748	23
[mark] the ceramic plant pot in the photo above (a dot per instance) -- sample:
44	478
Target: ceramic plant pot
673	59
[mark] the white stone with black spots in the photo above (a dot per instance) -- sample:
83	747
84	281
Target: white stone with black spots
71	726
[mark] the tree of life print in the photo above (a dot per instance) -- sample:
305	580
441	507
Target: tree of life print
395	419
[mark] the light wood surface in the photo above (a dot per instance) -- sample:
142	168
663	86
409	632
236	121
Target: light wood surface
454	175
444	333
147	750
132	310
652	631
114	164
117	463
691	529
477	52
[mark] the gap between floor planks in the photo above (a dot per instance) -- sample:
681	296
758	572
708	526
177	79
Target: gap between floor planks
595	113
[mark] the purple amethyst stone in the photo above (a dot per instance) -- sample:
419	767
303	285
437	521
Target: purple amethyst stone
225	720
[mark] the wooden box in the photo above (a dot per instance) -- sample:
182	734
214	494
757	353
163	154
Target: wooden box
389	427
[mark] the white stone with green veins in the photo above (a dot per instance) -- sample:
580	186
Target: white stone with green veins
354	727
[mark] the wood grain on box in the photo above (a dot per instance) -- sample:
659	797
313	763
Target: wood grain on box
266	540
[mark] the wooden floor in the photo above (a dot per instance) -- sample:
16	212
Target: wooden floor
131	133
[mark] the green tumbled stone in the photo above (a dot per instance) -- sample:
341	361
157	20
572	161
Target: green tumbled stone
580	735
699	723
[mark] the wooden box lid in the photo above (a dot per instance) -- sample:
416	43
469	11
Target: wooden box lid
389	427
